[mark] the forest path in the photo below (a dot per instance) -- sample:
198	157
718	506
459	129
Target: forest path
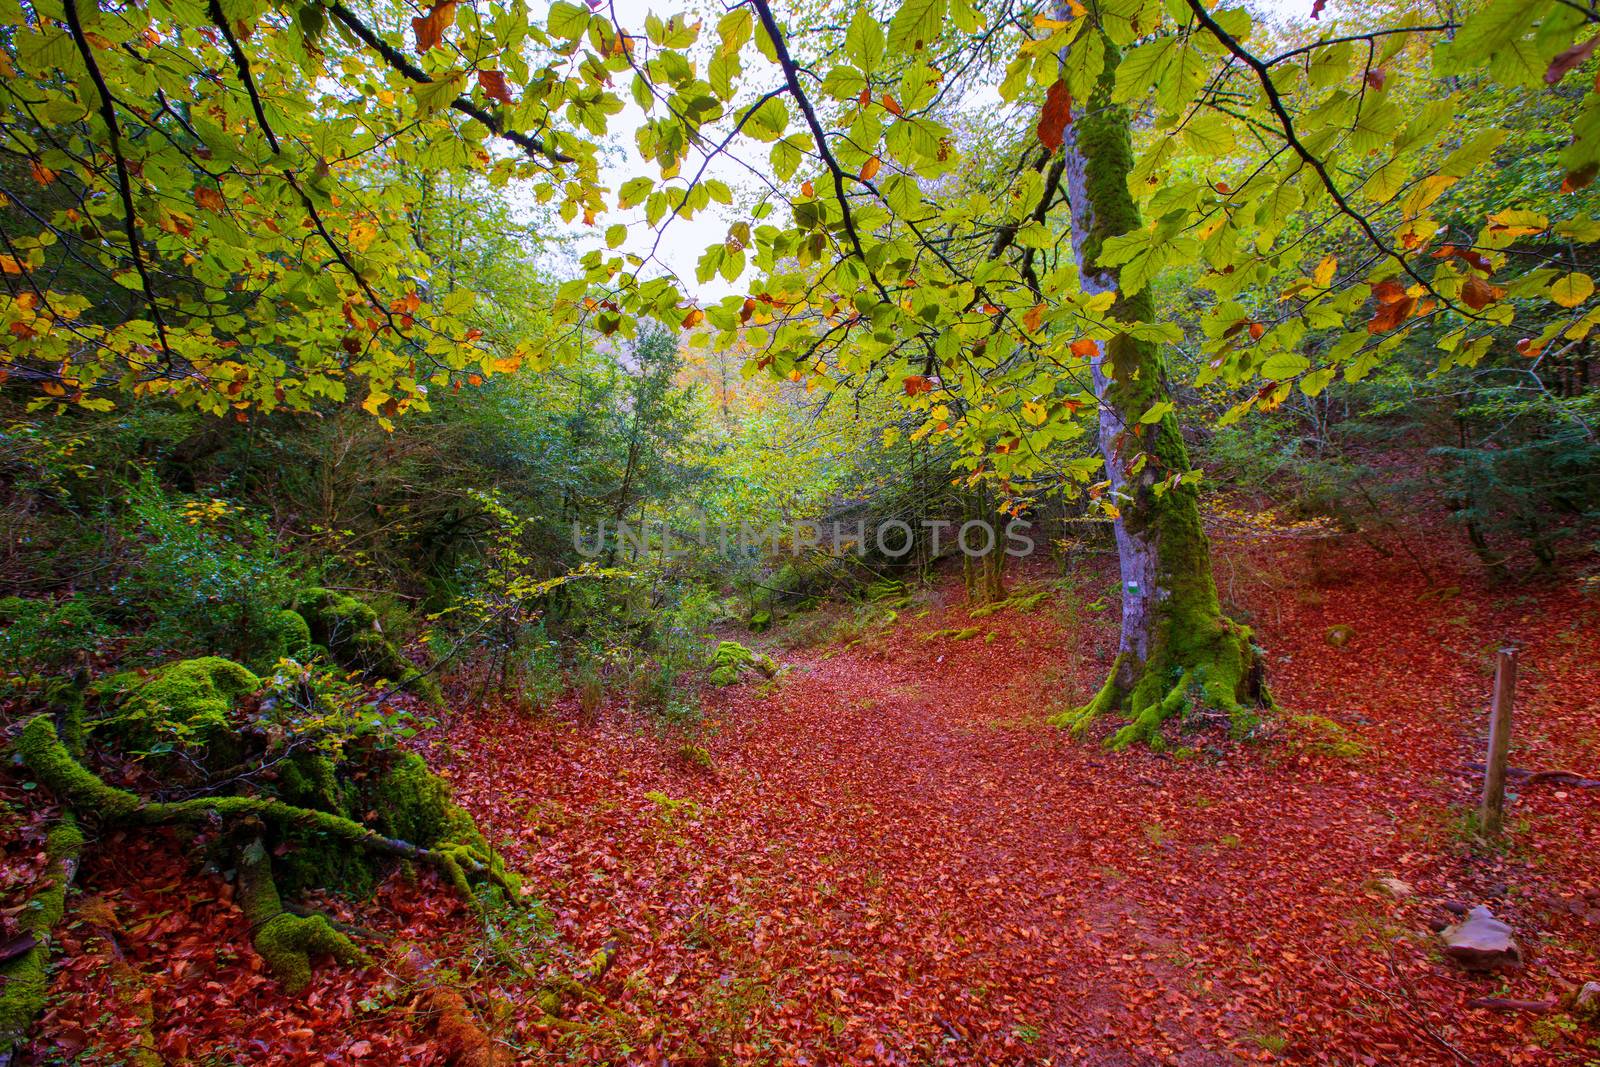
895	860
888	857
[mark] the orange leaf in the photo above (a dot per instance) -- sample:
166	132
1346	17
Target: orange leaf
916	383
891	103
41	173
807	189
210	199
693	319
493	84
430	27
1033	317
864	97
1478	294
1056	114
870	168
1389	291
1391	314
10	265
1256	330
1085	347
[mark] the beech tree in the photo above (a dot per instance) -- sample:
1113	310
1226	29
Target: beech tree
201	203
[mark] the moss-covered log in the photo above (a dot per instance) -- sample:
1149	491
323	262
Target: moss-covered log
348	628
24	980
1177	648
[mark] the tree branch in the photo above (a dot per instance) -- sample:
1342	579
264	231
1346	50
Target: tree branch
130	221
791	76
396	59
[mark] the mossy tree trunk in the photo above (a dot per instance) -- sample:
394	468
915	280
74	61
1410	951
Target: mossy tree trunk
1177	648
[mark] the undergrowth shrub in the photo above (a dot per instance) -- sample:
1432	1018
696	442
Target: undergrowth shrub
203	576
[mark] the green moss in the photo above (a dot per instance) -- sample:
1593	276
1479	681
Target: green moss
731	659
286	942
189	703
24	980
759	621
414	804
287	635
462	853
348	628
49	761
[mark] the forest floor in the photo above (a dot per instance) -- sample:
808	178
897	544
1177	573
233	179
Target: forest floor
891	858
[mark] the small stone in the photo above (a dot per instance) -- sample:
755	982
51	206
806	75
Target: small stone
1397	888
1480	942
1340	635
1586	1001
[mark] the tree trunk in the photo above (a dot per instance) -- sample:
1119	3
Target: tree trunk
1177	647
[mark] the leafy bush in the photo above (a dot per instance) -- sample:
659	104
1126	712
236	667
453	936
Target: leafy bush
43	637
207	577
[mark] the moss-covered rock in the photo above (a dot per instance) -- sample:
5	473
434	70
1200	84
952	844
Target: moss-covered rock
731	659
348	628
287	635
188	704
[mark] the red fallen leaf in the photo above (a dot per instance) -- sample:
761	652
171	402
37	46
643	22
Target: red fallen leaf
493	84
1056	114
1573	57
1478	294
917	383
430	28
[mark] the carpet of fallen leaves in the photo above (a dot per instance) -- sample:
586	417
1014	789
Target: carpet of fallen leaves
891	859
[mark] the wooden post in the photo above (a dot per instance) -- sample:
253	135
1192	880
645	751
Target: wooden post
1491	812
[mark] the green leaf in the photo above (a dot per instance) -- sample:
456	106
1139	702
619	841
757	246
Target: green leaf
567	21
915	26
863	41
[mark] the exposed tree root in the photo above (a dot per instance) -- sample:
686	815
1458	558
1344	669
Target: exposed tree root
1220	670
25	981
285	941
48	759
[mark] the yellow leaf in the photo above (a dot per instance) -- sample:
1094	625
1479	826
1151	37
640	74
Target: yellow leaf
1325	271
1572	290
